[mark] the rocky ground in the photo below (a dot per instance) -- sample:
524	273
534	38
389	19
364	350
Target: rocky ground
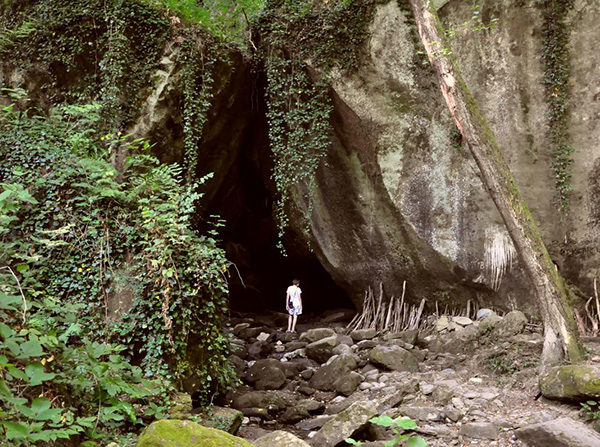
465	383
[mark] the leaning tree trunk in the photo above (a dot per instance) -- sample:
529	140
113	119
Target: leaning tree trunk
561	341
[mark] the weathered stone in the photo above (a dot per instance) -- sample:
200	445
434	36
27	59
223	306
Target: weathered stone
563	432
325	377
479	430
342	349
263	336
182	406
239	365
280	438
484	313
348	383
259	350
345	424
294	414
442	323
250	332
321	350
394	358
312	406
513	323
363	334
273	400
345	339
419	413
489	323
571	382
226	419
175	433
463	321
266	374
313	335
409	337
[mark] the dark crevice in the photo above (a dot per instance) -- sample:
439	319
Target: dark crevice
244	199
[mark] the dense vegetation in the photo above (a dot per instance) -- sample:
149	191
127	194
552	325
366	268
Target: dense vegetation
110	298
76	235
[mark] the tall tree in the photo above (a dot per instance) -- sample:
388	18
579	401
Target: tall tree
561	341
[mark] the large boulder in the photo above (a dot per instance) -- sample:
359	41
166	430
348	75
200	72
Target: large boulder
321	350
315	334
266	374
513	323
571	382
280	438
272	400
563	432
394	358
223	418
351	420
176	433
327	376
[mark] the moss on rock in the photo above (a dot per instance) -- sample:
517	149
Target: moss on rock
571	382
175	433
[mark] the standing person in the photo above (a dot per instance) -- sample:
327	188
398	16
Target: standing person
293	304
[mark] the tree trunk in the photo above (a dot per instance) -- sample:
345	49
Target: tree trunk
561	341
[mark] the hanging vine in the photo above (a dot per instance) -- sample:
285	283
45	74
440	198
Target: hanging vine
555	56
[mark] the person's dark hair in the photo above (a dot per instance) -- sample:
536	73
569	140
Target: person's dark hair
295	282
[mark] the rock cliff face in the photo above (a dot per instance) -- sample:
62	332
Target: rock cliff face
399	197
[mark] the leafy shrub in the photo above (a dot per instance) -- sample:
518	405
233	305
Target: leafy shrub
401	427
69	223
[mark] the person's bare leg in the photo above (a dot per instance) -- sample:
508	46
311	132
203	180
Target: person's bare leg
295	318
289	329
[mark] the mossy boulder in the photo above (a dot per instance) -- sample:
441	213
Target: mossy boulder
182	407
223	418
571	382
175	433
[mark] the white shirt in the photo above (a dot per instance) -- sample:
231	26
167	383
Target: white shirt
294	293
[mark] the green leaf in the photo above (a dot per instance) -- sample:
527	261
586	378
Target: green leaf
416	441
384	421
15	430
36	374
31	348
4	390
8	302
15	372
5	330
407	423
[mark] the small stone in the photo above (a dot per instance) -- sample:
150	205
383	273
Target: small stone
427	388
463	321
484	313
476	380
363	334
263	336
442	323
479	430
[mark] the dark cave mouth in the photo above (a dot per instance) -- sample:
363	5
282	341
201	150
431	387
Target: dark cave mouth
236	144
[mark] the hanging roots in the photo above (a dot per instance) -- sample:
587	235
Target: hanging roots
499	254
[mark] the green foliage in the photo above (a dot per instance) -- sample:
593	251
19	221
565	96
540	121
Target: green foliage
292	32
68	233
399	427
90	50
228	20
590	410
56	383
298	127
555	56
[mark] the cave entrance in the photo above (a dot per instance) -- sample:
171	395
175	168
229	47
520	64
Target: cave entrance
244	199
